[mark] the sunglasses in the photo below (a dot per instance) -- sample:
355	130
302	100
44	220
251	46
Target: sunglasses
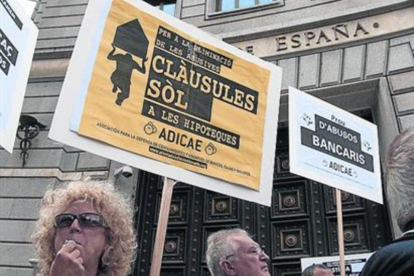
84	219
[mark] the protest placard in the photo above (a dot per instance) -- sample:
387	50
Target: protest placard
353	263
334	147
18	36
153	92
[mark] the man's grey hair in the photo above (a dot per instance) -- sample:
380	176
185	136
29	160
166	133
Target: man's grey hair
310	269
400	178
219	247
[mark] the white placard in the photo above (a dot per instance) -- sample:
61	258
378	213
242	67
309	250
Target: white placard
353	263
86	54
334	147
18	36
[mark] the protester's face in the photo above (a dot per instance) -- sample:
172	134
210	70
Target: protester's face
322	272
249	258
89	240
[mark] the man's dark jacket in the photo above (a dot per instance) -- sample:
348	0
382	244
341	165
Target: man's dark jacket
395	259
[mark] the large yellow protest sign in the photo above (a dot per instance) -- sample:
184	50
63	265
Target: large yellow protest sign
158	92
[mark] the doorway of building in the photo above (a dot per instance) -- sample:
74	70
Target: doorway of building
300	223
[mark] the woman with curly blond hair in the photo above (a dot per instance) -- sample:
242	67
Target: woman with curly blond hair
85	229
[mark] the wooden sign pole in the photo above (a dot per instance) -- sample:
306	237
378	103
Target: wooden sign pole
340	231
167	191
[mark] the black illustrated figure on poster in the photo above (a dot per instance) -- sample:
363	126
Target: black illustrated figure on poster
131	38
121	77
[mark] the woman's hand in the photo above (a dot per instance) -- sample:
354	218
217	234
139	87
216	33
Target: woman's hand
68	261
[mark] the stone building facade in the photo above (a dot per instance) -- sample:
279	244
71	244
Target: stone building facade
355	54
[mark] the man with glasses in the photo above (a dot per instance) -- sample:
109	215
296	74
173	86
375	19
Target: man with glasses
85	229
233	252
397	258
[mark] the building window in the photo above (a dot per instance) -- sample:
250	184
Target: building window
228	5
167	6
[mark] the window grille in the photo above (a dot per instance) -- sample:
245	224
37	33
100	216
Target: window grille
168	6
228	5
